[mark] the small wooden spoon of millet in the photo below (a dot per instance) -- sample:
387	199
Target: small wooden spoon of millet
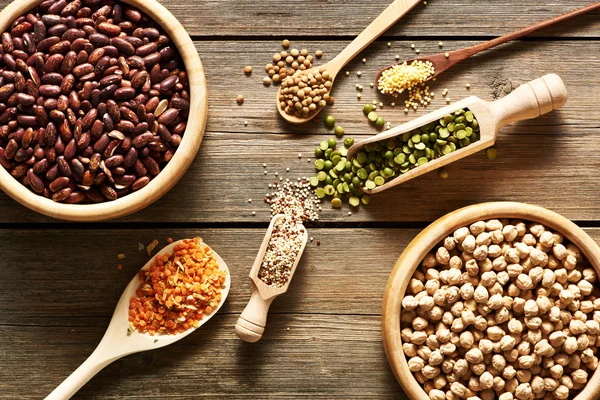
443	61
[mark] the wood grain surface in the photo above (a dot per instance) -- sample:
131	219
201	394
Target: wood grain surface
59	281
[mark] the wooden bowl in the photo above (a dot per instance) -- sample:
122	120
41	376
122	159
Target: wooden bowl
174	170
429	238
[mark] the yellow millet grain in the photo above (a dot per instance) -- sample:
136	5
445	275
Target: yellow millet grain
404	76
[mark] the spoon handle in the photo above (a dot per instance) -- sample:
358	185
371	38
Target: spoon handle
252	322
530	100
458	55
86	371
387	18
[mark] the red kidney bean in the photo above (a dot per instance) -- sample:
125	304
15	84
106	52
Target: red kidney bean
78	91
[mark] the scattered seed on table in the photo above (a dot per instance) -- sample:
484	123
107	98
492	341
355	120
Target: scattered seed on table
311	238
267	81
318	242
121	256
393	104
169	240
417	51
358	96
347	73
442	173
447	55
468	85
300	156
249	200
253	212
349	212
441	44
248	69
287	170
319	53
120	266
491	153
265	172
389	44
364	60
397	57
412	46
240	99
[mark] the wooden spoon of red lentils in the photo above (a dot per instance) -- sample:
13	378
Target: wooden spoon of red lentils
174	294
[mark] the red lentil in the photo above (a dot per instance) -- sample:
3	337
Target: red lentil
178	290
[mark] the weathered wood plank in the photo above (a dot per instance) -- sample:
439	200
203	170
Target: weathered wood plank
318	357
56	276
54	307
544	161
350	17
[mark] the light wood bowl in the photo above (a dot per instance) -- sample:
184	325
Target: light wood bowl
174	170
430	237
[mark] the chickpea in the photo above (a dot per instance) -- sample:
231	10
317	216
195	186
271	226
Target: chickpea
477	227
524	392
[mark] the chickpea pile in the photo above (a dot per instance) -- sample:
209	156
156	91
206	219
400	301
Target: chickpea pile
304	93
502	310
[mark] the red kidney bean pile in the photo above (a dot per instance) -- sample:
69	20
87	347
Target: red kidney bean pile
94	100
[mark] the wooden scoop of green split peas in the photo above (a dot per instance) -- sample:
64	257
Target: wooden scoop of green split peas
529	100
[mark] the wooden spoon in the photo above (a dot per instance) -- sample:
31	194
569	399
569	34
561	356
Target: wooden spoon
441	62
529	100
387	18
118	342
251	324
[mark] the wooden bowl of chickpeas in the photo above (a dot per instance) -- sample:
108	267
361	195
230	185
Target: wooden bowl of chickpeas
496	301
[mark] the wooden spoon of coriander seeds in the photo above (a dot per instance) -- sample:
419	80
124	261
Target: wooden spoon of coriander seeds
397	78
302	96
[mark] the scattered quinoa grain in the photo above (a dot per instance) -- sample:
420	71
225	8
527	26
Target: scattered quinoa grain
447	55
441	44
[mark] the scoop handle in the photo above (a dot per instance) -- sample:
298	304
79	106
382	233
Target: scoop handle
251	324
530	100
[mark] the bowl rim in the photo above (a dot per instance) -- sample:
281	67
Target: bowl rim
177	166
416	250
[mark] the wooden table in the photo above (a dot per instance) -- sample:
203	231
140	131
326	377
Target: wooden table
59	281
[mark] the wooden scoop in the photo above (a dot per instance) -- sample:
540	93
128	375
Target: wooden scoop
119	342
529	100
441	62
251	324
387	18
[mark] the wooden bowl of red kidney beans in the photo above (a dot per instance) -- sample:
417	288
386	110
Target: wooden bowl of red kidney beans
95	100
